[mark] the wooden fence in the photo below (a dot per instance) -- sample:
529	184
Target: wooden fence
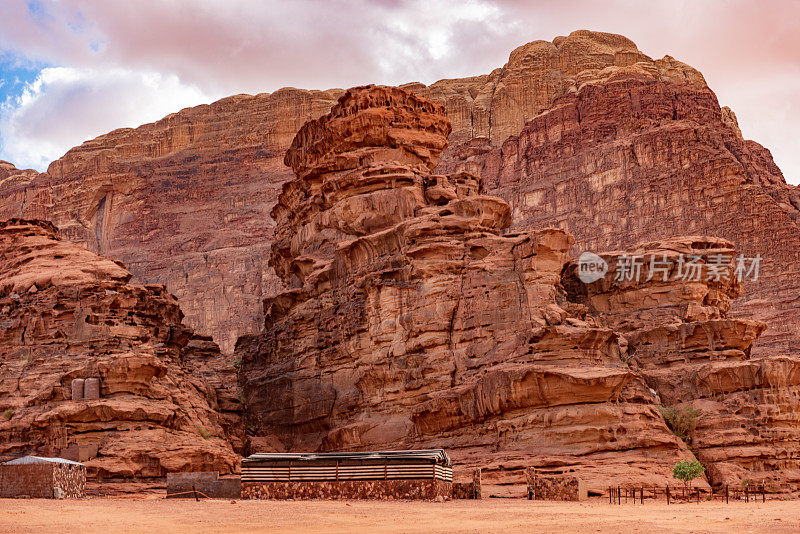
633	494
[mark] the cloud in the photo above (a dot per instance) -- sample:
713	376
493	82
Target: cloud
747	50
65	106
254	46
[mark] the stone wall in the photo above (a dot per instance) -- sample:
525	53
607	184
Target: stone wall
69	480
427	489
468	490
42	481
555	487
183	485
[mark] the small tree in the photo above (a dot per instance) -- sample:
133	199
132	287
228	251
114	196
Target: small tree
681	421
687	471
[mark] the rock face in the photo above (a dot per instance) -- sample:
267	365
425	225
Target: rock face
622	149
408	320
183	202
67	313
632	150
682	341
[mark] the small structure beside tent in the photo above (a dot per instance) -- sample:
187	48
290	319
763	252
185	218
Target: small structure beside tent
419	474
191	485
43	478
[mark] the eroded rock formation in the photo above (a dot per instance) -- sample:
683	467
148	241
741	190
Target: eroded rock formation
67	313
585	133
410	321
681	339
632	150
184	202
622	149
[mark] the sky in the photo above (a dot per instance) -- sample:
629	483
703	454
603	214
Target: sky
74	69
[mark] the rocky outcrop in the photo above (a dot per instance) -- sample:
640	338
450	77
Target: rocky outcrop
409	320
14	185
184	202
621	149
630	152
674	314
67	313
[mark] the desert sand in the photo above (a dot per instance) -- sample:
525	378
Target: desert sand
155	514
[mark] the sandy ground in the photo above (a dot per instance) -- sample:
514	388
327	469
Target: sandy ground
153	514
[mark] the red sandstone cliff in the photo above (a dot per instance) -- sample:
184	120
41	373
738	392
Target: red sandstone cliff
585	133
409	320
642	152
67	313
622	149
183	202
682	340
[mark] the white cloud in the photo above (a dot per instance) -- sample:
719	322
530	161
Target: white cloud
65	106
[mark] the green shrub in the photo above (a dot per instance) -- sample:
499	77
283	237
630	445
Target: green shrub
681	421
8	414
687	470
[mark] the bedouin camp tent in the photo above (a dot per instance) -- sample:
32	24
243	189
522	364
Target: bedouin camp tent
339	466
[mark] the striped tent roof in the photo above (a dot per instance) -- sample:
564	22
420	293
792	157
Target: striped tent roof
437	456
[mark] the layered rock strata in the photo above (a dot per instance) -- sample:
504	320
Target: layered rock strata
410	320
674	314
622	149
640	150
184	201
67	313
